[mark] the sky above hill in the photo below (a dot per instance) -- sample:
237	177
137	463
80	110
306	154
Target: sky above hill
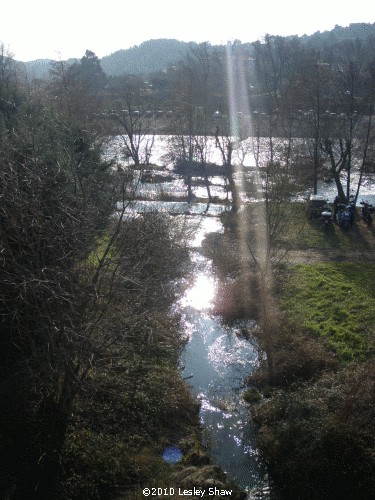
41	29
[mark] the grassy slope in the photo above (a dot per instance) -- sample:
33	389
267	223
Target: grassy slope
333	299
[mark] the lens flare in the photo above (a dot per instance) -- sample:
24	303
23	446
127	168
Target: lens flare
172	454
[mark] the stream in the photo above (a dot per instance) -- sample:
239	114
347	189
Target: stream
215	362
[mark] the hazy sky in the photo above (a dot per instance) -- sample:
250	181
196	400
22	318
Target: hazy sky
34	29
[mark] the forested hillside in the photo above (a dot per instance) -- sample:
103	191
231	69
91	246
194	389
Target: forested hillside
155	55
148	57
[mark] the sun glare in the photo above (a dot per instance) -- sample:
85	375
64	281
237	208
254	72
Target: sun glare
201	295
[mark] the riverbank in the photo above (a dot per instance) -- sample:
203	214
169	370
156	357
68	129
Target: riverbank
314	411
139	428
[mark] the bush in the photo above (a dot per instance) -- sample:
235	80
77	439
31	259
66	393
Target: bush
318	439
251	396
95	465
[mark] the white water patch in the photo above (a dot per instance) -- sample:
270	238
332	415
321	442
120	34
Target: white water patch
172	207
201	228
162	144
222	356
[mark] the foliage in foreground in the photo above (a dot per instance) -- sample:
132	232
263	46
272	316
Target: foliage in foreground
318	439
133	407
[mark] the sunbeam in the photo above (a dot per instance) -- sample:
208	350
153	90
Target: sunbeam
252	230
237	103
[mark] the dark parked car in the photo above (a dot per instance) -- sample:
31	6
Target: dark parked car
315	205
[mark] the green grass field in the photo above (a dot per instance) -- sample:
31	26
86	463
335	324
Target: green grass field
337	301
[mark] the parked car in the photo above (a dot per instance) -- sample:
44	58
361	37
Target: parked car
315	205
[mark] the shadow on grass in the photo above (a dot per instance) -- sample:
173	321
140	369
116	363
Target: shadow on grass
357	237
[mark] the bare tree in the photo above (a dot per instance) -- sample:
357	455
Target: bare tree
192	100
135	120
347	127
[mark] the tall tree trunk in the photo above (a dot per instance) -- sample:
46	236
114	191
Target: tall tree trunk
339	186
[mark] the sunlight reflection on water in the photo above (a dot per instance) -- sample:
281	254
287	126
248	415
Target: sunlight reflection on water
205	225
215	362
201	294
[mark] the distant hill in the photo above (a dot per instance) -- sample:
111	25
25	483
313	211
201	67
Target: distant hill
39	68
155	55
36	69
150	56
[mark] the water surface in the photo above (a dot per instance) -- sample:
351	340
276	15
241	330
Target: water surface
215	362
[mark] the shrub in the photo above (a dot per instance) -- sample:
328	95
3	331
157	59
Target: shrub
251	395
318	439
